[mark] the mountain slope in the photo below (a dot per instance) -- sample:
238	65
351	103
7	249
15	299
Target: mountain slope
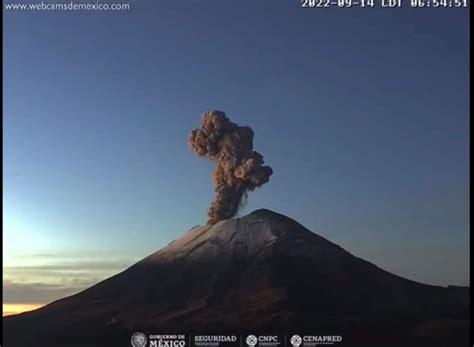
260	273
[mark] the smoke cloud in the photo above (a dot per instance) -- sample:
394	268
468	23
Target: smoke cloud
239	168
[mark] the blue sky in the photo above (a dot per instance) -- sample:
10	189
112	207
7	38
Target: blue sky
362	113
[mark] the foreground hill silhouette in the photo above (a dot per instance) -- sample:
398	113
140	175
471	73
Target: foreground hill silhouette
261	273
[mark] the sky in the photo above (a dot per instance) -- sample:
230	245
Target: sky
362	114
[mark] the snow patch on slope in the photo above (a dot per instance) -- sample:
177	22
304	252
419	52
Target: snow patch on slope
246	235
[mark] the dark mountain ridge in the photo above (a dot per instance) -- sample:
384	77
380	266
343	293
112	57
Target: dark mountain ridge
260	273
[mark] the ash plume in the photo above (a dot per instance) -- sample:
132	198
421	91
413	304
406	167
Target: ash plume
239	168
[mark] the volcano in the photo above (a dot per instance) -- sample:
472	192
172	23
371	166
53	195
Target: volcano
262	273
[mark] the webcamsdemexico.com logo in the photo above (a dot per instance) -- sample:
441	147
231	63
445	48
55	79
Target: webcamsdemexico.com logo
67	6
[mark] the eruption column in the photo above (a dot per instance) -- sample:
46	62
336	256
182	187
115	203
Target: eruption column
239	168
